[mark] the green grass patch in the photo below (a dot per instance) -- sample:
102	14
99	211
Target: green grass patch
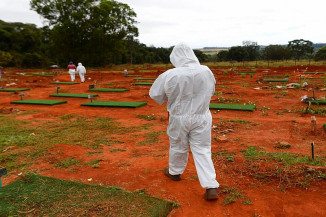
151	138
222	86
94	163
287	170
229	100
67	163
312	110
240	107
108	90
232	194
223	155
318	102
115	104
276	76
73	95
253	153
276	80
133	75
313	78
241	121
245	72
13	89
143	83
39	102
143	79
65	82
117	150
147	117
34	195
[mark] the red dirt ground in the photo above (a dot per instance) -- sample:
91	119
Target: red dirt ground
140	167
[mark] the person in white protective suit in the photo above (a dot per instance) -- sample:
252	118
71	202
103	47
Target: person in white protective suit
188	89
82	71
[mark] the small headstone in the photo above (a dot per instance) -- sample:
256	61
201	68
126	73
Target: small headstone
21	96
90	97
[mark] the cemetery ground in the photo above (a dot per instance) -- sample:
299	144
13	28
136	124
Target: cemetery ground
263	159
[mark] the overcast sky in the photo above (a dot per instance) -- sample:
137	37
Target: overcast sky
207	23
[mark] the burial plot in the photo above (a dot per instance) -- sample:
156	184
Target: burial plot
13	89
39	102
107	90
143	83
115	104
73	95
276	80
241	107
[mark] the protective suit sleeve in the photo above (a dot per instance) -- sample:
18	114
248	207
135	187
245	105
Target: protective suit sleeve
157	92
213	78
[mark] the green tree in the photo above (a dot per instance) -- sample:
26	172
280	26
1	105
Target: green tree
19	39
238	53
223	56
201	56
300	48
5	58
276	52
252	50
91	31
320	54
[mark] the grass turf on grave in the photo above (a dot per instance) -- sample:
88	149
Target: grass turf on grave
107	90
143	83
35	195
240	73
132	75
240	107
318	102
276	76
317	78
145	79
39	102
115	104
73	95
64	82
276	80
13	89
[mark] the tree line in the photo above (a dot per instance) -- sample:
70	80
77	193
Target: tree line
250	51
103	32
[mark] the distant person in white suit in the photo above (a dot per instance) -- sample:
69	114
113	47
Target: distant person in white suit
82	71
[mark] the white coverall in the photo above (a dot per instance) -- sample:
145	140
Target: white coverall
188	89
82	71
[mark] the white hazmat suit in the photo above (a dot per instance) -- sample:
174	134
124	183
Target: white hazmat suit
82	71
188	89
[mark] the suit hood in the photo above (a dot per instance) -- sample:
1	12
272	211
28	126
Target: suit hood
182	55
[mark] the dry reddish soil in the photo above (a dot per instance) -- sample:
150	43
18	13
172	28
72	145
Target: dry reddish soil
278	117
